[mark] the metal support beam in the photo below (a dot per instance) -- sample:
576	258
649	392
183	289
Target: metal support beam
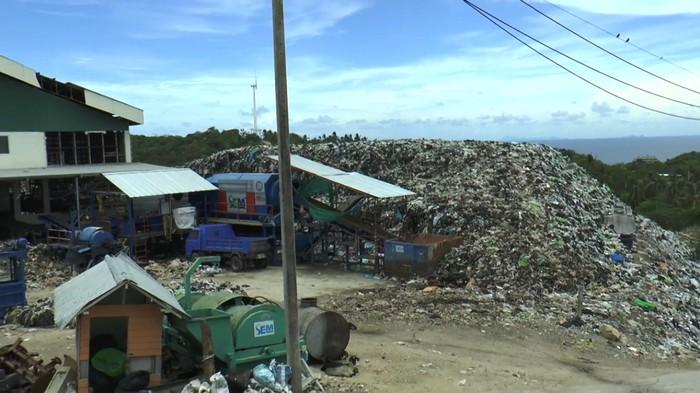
46	196
287	204
77	201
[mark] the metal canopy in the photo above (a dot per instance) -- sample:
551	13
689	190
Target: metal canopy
352	180
75	170
159	182
93	285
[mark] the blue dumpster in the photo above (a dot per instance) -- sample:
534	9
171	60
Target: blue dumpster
417	256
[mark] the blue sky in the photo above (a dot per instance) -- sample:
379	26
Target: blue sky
383	68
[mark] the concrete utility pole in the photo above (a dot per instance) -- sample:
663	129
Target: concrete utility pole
285	172
255	109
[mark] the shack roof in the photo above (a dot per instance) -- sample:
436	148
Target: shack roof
163	181
352	180
93	285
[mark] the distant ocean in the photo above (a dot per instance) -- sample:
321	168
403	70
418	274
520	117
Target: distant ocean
626	149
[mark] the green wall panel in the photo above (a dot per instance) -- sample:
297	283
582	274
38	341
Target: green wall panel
28	108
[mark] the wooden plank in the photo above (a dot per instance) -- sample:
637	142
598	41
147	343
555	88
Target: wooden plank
83	386
155	380
84	338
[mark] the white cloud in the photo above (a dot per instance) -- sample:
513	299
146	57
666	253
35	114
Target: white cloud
308	18
223	7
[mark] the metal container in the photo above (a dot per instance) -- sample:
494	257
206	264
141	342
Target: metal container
13	285
418	256
326	333
246	193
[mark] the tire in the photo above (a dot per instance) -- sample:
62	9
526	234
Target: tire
262	263
194	256
237	263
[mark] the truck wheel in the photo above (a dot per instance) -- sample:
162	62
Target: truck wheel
261	263
237	263
194	256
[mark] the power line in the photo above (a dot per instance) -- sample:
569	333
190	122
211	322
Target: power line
590	67
617	36
606	50
488	16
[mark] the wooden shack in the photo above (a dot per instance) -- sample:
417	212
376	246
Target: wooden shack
118	309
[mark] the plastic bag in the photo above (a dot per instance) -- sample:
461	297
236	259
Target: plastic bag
264	375
218	383
191	387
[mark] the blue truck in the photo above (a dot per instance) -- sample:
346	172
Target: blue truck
13	286
240	252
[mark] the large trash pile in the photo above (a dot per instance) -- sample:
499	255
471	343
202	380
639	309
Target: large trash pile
532	223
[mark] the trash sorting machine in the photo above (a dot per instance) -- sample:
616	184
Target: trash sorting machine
13	287
90	246
244	331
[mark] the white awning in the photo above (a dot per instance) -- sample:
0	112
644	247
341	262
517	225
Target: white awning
352	180
159	182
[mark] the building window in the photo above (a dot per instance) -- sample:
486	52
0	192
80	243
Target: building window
80	148
4	145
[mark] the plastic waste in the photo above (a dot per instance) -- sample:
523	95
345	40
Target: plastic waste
191	387
264	375
204	388
618	258
110	361
218	383
283	373
645	305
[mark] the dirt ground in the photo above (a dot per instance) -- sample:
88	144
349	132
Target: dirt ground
414	358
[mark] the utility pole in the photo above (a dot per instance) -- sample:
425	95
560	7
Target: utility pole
285	172
255	110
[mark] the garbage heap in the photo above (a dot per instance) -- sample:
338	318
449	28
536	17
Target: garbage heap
38	313
45	268
170	274
532	223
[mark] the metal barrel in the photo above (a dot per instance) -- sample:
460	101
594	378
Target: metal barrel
326	333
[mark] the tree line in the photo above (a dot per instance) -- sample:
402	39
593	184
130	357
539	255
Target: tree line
174	150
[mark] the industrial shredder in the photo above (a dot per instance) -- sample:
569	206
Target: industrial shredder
245	331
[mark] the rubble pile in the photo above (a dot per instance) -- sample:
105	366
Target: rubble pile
533	229
669	331
171	274
35	314
45	269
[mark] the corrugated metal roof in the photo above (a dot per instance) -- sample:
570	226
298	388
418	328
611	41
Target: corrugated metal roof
75	170
313	167
93	285
352	180
159	182
18	71
224	177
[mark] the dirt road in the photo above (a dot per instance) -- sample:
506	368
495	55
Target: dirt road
413	358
